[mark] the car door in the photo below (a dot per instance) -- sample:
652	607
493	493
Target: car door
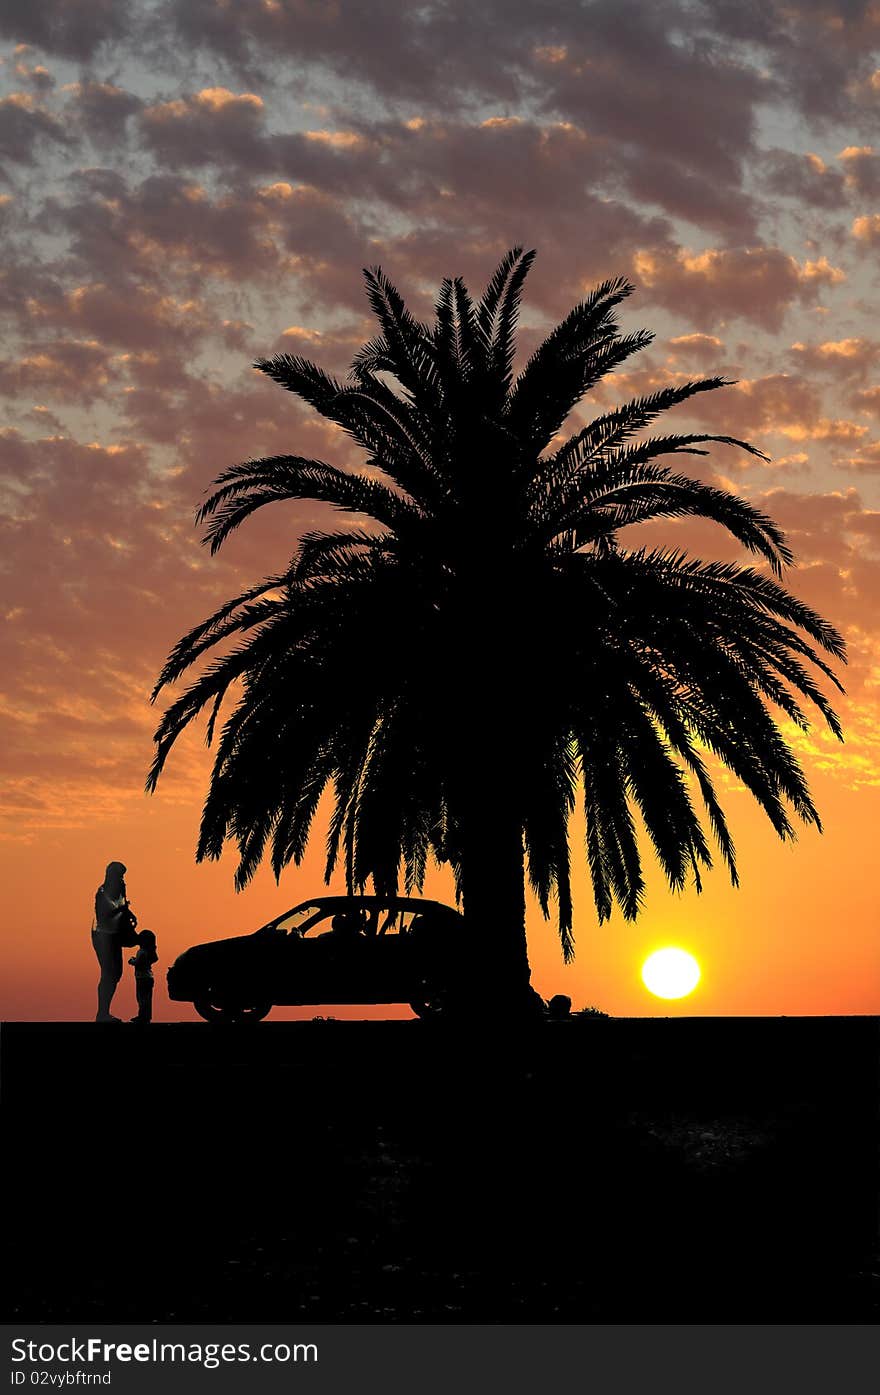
322	965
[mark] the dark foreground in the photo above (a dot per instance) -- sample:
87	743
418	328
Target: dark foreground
659	1170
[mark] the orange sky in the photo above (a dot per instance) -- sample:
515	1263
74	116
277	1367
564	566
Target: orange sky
798	937
165	221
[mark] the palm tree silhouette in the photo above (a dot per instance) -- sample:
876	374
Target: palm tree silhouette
475	645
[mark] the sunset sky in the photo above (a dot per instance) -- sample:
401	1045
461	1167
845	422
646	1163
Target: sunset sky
186	185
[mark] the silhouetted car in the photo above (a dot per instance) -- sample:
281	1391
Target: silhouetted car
333	949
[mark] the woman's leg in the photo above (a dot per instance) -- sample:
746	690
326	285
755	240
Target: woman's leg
109	955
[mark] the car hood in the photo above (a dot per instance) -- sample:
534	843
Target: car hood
198	955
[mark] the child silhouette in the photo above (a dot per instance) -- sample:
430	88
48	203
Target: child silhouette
143	975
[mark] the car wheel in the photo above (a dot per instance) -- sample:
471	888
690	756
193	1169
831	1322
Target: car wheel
430	1005
214	1011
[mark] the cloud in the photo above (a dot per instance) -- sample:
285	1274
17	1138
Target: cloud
836	432
818	52
68	370
37	75
867	400
866	91
779	406
23	125
508	162
630	73
129	316
166	226
212	426
419	166
333	350
101	110
213	125
168	221
97	519
70	28
866	229
759	284
686	193
695	348
772	403
407	52
862	169
102	569
824	528
805	178
170	237
843	358
785	405
629	76
866	459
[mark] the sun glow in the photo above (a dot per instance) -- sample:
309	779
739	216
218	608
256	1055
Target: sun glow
670	973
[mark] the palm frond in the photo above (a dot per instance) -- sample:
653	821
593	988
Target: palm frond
580	350
248	487
638	494
497	316
593	442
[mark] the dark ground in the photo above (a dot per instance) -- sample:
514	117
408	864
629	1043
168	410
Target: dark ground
629	1170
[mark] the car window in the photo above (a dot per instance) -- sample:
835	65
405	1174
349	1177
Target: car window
300	918
433	919
312	920
320	924
324	922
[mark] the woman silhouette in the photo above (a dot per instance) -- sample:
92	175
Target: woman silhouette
113	928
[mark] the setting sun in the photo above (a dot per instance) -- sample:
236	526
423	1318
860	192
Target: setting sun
670	973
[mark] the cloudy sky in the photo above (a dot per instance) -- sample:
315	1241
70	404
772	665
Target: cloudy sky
188	184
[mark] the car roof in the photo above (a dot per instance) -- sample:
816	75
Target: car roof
349	903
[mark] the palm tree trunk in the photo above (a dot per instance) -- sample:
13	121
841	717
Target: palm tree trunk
484	784
492	861
493	894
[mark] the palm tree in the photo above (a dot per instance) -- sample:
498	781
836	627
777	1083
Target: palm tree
475	644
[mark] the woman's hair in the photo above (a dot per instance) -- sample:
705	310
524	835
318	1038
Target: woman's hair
115	872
